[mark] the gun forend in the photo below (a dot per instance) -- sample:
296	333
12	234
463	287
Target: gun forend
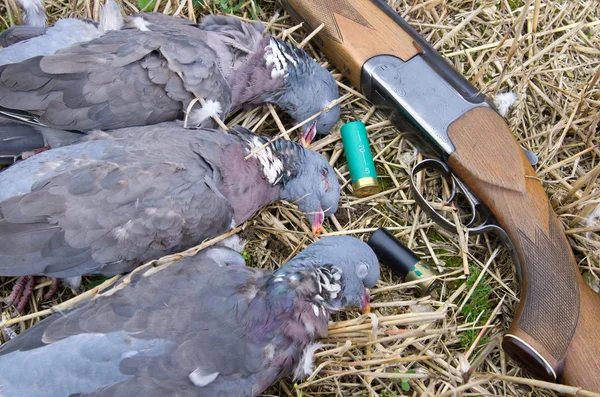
555	332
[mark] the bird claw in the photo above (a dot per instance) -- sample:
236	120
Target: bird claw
17	291
23	289
52	290
27	291
21	293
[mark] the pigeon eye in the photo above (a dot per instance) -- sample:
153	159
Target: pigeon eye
362	270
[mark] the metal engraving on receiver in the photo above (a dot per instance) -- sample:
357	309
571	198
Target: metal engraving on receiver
418	92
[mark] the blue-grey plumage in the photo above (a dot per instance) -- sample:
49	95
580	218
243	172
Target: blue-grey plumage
193	328
113	201
24	42
307	87
310	88
151	72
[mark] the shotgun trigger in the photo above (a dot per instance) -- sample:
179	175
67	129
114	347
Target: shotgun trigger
426	205
479	216
476	206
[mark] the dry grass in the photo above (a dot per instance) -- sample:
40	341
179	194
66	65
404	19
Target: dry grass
432	345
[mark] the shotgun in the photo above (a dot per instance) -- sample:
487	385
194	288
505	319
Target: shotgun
556	329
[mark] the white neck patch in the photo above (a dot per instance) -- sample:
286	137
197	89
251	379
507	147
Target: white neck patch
279	59
272	166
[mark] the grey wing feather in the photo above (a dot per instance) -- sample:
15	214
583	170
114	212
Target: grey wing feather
161	20
232	39
140	200
15	34
234	31
147	339
223	256
124	78
34	42
16	138
22	176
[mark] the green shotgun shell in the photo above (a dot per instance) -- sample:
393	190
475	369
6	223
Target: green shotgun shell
360	159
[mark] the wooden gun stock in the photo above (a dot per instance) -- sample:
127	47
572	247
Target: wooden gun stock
353	32
556	330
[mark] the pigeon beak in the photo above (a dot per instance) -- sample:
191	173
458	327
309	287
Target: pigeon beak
317	224
365	306
309	134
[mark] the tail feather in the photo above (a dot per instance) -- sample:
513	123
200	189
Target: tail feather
18	116
30	244
17	34
18	138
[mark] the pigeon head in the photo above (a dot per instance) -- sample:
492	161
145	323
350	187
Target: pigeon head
303	176
307	90
309	181
344	268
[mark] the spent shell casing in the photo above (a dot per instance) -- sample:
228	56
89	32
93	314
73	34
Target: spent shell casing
403	261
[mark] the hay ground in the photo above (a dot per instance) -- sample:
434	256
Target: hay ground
548	54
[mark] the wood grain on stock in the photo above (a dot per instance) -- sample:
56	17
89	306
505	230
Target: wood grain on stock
354	31
558	319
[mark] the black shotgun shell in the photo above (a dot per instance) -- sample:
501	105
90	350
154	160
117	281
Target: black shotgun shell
402	260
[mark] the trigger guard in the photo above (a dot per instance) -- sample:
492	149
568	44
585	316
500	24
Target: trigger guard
457	185
441	167
425	206
432	163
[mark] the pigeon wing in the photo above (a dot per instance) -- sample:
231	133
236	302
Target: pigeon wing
180	331
16	34
109	215
234	31
121	79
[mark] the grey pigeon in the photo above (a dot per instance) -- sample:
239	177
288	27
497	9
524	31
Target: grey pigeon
152	72
24	42
193	328
112	202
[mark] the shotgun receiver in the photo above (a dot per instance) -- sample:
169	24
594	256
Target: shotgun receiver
556	330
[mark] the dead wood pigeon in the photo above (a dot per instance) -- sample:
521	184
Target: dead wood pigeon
24	42
113	201
193	328
151	73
